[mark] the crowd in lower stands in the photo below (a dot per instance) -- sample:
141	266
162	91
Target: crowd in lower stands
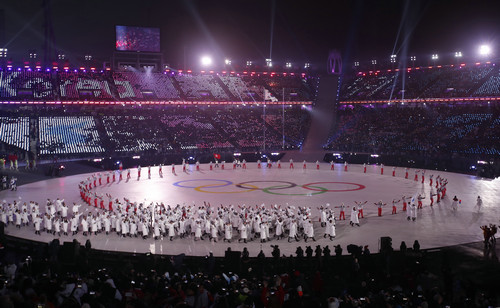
429	130
244	128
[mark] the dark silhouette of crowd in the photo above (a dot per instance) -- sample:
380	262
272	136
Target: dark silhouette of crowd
74	275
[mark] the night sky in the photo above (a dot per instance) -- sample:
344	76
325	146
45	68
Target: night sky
241	29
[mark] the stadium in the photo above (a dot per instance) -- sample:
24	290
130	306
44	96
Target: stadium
137	177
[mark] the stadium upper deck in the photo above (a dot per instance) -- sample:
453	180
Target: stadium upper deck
83	87
450	83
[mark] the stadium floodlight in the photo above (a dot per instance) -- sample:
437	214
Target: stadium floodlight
61	56
3	52
393	58
356	63
269	62
435	56
307	65
227	62
249	63
88	57
458	54
484	50
288	65
206	61
413	58
374	62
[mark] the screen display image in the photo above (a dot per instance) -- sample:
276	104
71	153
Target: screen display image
137	39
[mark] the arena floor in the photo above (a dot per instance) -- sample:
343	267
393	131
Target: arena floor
435	226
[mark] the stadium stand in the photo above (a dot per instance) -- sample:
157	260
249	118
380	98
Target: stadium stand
22	85
68	135
15	131
428	130
437	82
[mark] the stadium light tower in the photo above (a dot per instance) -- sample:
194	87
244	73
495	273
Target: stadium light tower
288	65
434	58
269	62
307	65
393	58
484	50
206	61
249	63
413	59
227	62
458	54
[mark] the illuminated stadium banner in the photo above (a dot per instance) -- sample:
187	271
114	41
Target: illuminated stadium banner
137	39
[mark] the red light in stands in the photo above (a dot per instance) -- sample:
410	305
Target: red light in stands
478	63
180	71
189	71
389	71
82	68
211	72
462	65
92	68
108	69
224	72
232	72
203	72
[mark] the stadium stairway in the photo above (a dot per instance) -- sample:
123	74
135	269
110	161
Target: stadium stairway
323	117
225	88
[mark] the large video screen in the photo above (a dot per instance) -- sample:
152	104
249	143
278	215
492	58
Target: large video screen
137	39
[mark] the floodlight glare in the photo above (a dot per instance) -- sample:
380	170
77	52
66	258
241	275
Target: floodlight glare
206	60
228	62
484	50
435	56
458	54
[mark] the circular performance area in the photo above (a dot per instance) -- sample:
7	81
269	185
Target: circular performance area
279	188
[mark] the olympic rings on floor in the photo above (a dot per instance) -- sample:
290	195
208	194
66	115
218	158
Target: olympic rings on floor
359	186
268	190
246	187
216	180
199	188
291	185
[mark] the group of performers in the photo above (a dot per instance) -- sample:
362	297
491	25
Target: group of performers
105	214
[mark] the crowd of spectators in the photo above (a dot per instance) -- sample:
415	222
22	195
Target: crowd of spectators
68	135
15	132
427	130
77	276
136	131
26	84
437	82
145	86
